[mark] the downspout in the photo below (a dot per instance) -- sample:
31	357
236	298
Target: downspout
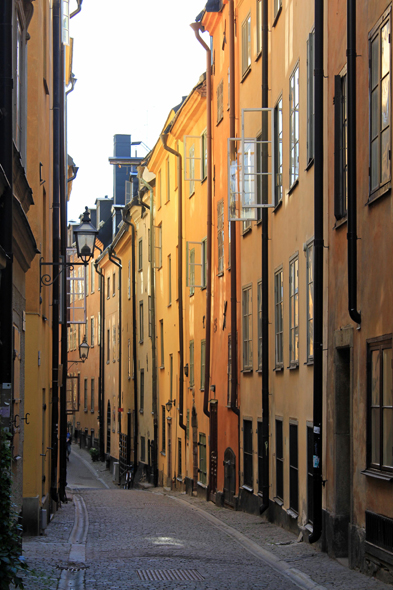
196	27
318	276
265	279
135	373
77	11
180	276
351	236
101	397
6	223
153	332
117	261
56	243
63	278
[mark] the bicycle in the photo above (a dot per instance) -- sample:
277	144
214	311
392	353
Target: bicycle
129	477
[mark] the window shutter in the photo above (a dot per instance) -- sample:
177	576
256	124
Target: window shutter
338	212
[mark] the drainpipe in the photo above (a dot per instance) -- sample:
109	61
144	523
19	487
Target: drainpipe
351	236
117	261
6	151
101	370
196	27
265	280
135	375
77	11
56	243
180	275
153	332
318	276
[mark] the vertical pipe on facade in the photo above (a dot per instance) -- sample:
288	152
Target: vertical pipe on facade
116	261
196	28
63	298
265	279
180	276
153	331
56	242
318	275
101	408
351	236
6	225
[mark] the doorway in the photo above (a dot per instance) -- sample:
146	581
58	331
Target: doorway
213	448
229	477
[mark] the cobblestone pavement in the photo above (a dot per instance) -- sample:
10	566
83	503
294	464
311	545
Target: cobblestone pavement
160	539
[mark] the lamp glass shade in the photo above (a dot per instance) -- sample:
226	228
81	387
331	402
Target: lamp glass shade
84	349
85	237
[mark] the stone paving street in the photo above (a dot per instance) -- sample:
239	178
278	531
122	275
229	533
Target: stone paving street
142	538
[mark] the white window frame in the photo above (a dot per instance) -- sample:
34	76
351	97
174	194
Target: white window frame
246	45
247	326
294	311
279	316
294	107
310	300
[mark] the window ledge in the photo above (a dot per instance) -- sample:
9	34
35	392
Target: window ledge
247	230
248	489
309	527
340	222
310	164
293	366
220	274
278	369
202	485
85	410
141	411
162	367
91	411
245	371
218	122
140	341
380	192
246	73
292	187
114	360
277	16
278	501
259	371
163	453
378	475
292	513
169	305
180	479
259	54
278	206
107	362
309	363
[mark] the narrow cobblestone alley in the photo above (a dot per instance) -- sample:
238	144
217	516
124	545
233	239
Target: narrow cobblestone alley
108	538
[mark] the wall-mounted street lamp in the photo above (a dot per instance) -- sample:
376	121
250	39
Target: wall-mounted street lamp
169	404
84	349
85	237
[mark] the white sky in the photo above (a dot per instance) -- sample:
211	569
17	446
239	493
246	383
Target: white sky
134	60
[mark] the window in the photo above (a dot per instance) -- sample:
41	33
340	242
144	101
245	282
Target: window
293	469
92	396
168	180
248	180
204	155
162	343
380	405
279	461
114	342
129	359
171	376
260	325
159	189
169	279
142	391
278	152
278	304
310	469
220	235
310	96
203	363
246	45
179	458
380	64
129	280
108	345
229	369
140	321
259	27
92	277
260	457
158	247
150	315
19	74
220	101
191	363
143	449
191	156
188	425
108	288
192	271
294	126
87	280
85	396
310	301
114	284
204	262
202	458
247	327
247	453
92	336
86	331
163	424
294	311
140	259
340	147
277	7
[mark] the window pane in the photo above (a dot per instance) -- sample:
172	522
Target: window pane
311	337
387	437
387	398
385	52
385	107
375	436
374	114
375	363
374	164
385	161
374	62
